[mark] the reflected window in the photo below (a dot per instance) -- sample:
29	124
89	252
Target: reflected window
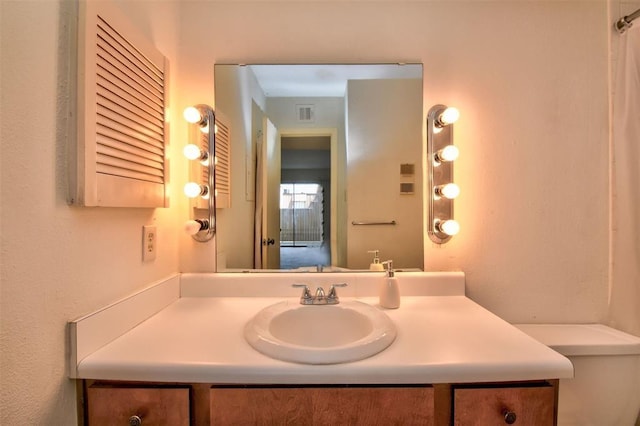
301	208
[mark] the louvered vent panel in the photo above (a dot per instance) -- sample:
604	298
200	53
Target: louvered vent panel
223	165
130	99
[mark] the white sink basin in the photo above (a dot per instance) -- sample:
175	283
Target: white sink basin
320	334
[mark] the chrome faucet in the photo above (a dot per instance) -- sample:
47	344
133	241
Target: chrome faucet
320	298
332	297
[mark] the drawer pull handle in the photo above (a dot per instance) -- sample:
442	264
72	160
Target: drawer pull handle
509	417
135	421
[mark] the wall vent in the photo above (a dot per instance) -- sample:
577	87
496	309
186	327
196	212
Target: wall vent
306	113
120	158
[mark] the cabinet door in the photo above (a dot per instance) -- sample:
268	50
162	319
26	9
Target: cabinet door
367	406
522	406
153	406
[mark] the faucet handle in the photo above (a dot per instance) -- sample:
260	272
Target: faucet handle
306	294
333	294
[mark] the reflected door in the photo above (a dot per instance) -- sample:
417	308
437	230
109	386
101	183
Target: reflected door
270	196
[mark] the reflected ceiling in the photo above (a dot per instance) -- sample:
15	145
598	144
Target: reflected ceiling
322	79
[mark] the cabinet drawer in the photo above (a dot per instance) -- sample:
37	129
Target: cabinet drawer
154	406
522	406
322	406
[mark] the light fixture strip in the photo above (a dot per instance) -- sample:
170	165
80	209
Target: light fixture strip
439	136
207	118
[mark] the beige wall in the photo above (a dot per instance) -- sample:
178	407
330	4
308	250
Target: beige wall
530	78
624	283
60	262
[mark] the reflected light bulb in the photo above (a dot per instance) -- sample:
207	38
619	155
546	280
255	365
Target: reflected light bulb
192	115
192	152
448	153
192	190
449	227
449	116
450	190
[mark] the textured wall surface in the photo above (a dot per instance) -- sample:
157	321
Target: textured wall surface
60	262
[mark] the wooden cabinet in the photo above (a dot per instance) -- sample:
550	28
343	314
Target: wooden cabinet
202	404
124	405
300	406
504	405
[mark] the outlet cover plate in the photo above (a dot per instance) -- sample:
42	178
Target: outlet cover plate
149	243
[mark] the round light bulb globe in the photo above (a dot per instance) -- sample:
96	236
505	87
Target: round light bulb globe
192	190
449	116
192	115
448	153
450	191
192	152
450	227
192	227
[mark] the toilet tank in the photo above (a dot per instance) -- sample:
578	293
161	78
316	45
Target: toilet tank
605	390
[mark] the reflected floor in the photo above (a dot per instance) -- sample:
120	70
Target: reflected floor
297	257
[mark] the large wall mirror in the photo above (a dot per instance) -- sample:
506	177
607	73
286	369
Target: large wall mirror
326	166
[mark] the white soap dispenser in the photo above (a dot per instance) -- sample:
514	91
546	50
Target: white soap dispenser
375	264
389	291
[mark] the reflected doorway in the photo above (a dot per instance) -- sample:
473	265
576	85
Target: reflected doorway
305	201
302	237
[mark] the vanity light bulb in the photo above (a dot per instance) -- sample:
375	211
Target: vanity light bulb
192	152
192	115
192	227
204	128
449	227
192	190
450	191
448	153
449	116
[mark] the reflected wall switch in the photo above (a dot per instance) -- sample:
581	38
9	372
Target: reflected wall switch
149	243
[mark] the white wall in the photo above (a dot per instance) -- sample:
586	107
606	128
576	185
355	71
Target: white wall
530	78
60	262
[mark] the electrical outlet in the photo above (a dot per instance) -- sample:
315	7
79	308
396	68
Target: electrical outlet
149	243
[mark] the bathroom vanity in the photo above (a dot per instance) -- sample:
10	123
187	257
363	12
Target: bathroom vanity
182	359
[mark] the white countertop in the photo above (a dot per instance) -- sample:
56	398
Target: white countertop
441	339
